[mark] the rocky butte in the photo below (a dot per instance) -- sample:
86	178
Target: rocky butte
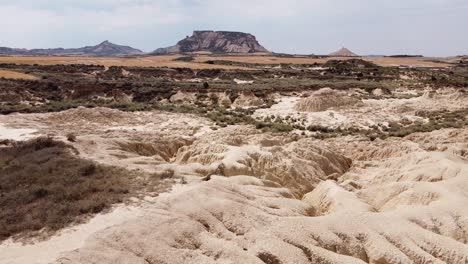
216	42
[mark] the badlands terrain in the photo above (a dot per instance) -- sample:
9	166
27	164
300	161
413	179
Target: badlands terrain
233	159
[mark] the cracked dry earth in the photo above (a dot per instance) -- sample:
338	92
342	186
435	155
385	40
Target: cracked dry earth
254	197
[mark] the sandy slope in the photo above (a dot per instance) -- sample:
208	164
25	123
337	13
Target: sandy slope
15	134
69	239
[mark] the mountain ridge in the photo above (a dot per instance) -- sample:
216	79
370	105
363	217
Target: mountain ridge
104	48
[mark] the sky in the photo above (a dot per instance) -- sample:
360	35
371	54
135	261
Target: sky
383	27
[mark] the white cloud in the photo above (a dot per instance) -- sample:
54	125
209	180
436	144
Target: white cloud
119	15
302	26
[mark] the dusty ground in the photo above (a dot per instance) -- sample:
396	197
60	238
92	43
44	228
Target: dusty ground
346	162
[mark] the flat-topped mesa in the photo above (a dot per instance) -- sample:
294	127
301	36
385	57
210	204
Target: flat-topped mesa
216	42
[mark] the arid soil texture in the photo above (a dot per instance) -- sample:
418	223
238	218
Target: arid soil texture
327	161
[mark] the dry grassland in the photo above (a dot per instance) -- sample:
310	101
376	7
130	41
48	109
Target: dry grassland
16	75
199	62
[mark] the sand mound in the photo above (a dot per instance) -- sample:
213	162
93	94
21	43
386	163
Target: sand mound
183	97
98	115
224	100
247	99
325	99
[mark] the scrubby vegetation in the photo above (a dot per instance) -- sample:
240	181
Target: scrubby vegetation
57	106
44	186
139	88
147	88
185	59
437	120
224	117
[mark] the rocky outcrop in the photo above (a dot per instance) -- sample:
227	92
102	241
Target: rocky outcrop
216	42
105	48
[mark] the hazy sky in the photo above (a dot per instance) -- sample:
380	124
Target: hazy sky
429	27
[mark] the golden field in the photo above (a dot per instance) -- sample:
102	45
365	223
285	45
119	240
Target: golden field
16	75
200	61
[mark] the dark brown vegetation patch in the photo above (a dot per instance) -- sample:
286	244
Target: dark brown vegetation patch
268	258
44	186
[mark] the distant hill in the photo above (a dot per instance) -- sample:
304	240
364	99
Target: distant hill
8	51
216	42
104	49
405	56
373	56
344	52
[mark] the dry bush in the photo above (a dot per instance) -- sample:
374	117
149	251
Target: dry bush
71	137
45	186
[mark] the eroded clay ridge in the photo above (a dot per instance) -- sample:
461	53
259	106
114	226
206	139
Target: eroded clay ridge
399	204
